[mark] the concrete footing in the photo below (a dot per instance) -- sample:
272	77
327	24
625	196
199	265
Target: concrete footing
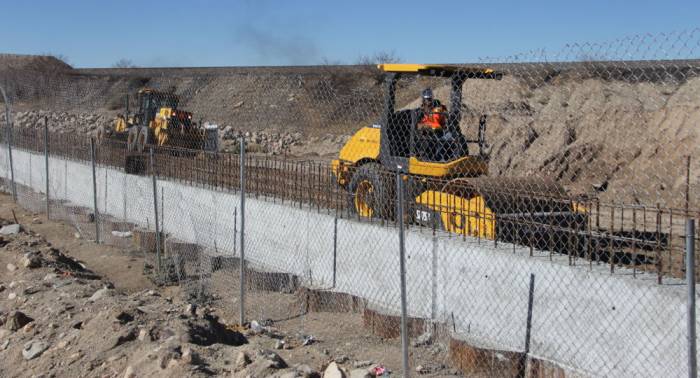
330	301
389	326
473	360
145	240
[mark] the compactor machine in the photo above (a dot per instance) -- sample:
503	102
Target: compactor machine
447	187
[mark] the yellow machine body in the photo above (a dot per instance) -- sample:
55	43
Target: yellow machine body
459	215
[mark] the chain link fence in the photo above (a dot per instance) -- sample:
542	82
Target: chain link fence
516	217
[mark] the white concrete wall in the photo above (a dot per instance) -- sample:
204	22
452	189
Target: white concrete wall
585	319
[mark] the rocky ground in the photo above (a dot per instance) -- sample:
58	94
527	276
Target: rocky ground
69	307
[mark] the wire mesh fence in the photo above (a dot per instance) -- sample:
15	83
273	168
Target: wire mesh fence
523	216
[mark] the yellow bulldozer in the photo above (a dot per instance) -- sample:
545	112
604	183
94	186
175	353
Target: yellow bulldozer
447	187
159	122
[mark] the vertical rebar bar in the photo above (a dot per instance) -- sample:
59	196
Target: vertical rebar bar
690	280
242	258
155	210
46	163
96	214
402	268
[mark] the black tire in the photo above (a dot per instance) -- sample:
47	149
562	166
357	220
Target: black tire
380	201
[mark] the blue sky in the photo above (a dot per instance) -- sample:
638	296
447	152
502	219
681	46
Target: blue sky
269	32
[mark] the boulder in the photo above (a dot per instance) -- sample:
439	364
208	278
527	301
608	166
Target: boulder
333	371
10	229
17	320
34	349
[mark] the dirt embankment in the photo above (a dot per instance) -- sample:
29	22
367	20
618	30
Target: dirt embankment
626	132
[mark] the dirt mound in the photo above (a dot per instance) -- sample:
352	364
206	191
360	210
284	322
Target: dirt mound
32	63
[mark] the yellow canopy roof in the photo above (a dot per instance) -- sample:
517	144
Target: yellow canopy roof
438	69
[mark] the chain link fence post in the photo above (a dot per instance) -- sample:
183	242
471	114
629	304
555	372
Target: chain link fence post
96	214
402	270
46	163
241	148
690	280
155	210
8	140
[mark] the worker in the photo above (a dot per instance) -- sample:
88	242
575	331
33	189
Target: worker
431	126
433	112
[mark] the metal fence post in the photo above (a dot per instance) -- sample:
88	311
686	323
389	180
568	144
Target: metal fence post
46	163
335	248
94	191
8	140
690	280
242	285
402	269
155	210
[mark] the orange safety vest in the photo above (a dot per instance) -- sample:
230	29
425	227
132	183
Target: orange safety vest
435	119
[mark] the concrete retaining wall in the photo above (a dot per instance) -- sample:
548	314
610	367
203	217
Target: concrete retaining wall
584	320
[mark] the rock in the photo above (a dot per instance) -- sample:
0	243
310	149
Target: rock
99	294
2	288
4	344
31	261
124	337
255	327
29	327
333	371
191	309
11	296
360	373
341	359
129	372
11	267
361	364
167	355
17	320
50	277
242	360
143	335
77	235
10	229
276	361
189	357
306	371
420	369
33	349
424	339
36	221
279	344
